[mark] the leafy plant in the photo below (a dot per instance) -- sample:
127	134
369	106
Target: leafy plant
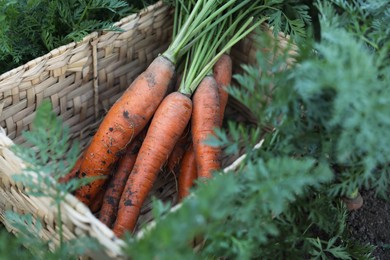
290	17
11	247
224	211
31	28
366	20
49	158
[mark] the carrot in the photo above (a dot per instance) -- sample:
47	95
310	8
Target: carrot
117	183
222	72
166	127
187	173
206	117
123	122
179	150
97	202
180	147
354	203
129	115
207	111
73	173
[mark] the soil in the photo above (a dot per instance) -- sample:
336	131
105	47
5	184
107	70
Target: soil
371	224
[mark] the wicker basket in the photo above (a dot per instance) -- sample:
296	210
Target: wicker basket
82	80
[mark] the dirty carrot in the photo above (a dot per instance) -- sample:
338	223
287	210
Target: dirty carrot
222	72
117	183
173	114
129	115
206	101
187	173
97	202
205	118
166	127
179	150
123	122
181	145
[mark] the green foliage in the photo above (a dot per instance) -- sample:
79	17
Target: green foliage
313	227
367	20
11	247
290	17
223	211
31	28
330	106
50	156
28	243
356	118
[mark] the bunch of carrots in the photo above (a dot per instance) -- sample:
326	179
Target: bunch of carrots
162	119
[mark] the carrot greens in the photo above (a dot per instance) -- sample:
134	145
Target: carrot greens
33	28
50	158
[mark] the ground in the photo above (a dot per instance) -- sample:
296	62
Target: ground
371	224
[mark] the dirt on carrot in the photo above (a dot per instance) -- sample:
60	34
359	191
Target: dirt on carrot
222	73
166	127
117	183
178	151
123	122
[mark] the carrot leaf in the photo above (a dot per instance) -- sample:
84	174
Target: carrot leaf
49	157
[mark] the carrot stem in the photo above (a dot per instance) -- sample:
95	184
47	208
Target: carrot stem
199	23
242	32
172	52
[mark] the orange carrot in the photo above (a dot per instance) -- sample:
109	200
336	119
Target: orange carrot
166	127
181	145
129	115
97	202
187	174
222	72
117	183
206	117
179	150
123	122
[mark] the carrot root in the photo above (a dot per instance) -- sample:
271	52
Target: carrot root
167	125
179	150
222	72
117	183
206	117
123	122
187	174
